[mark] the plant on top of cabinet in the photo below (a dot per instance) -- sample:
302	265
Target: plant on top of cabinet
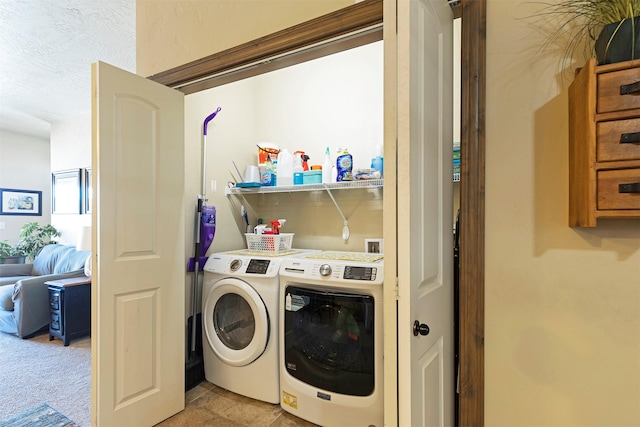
609	29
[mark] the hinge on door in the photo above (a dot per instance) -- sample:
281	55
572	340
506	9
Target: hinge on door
397	295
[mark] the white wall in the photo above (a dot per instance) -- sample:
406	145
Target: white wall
334	101
24	165
71	149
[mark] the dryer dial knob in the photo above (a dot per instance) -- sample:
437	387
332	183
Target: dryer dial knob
325	270
235	265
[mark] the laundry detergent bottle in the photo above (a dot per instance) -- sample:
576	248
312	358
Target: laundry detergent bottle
344	166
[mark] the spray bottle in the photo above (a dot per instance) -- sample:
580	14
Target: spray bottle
326	167
298	170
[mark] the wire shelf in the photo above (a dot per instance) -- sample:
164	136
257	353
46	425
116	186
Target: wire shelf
343	185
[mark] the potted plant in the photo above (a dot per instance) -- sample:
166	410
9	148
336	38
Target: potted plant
33	237
610	27
9	255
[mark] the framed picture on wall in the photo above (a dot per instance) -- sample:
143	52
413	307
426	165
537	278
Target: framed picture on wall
87	190
20	202
65	190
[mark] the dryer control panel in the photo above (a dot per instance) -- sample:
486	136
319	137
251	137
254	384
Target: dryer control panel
258	266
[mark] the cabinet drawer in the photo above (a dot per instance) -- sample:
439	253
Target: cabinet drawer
618	140
610	195
54	323
609	90
54	300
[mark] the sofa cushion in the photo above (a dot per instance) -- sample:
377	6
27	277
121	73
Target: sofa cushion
71	261
6	303
47	259
12	279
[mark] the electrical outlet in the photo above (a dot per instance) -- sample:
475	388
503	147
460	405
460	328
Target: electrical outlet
373	246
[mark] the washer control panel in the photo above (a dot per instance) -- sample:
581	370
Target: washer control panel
336	271
360	273
325	270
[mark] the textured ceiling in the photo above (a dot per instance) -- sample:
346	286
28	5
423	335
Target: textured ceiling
46	51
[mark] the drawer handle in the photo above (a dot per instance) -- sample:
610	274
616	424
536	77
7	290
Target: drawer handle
630	188
630	138
629	89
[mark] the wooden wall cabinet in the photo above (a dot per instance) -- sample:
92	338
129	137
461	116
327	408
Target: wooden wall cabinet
604	143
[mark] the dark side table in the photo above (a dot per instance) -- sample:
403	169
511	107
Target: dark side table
69	308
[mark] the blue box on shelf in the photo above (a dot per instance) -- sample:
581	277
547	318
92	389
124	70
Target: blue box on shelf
312	177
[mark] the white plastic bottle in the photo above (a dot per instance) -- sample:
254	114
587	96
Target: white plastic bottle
377	162
285	168
298	170
326	167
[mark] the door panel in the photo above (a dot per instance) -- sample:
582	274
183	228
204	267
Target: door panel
424	224
138	255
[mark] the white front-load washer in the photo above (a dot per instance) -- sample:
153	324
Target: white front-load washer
240	306
331	338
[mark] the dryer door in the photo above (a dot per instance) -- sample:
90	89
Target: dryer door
236	321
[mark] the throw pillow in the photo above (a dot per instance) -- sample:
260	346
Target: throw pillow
46	260
71	261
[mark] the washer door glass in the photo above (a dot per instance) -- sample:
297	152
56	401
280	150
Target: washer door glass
233	321
329	340
236	322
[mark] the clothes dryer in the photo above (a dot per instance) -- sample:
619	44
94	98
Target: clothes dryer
240	306
331	338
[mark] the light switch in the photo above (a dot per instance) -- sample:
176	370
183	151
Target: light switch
1	225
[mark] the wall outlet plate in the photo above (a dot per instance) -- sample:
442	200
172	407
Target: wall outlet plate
373	246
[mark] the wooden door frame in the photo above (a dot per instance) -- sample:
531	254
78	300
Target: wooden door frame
356	25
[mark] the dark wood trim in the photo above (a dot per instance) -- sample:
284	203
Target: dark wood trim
243	72
361	21
472	212
349	20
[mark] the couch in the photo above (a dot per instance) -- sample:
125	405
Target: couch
24	297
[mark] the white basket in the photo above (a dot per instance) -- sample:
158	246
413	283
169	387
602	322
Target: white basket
269	242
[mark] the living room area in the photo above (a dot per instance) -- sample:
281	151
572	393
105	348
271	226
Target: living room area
38	367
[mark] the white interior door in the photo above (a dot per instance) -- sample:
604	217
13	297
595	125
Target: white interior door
424	68
138	364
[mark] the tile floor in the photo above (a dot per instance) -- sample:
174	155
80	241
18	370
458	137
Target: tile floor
209	405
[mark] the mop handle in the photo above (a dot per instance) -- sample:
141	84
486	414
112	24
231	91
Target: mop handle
204	153
209	118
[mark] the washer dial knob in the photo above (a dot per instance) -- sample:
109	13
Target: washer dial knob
325	270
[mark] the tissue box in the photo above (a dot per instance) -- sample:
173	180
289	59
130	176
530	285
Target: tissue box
312	177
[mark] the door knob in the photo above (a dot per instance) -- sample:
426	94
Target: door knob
420	329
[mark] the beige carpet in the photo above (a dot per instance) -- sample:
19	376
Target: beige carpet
36	370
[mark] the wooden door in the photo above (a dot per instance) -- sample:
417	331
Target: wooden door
419	91
138	356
